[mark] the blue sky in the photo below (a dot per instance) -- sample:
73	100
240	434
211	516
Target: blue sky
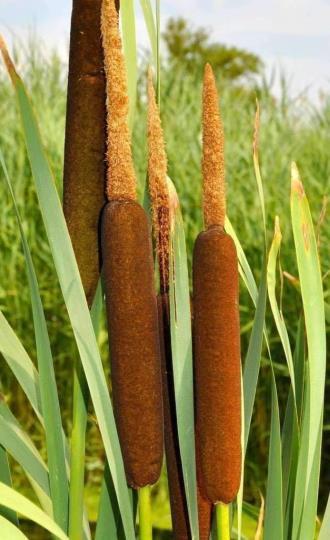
293	34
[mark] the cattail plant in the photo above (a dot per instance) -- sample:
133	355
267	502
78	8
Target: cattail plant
129	284
83	199
216	322
161	214
160	202
84	167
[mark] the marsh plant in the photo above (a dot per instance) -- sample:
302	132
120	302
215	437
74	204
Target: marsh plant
181	389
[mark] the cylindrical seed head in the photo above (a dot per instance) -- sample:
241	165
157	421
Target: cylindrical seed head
217	364
134	339
84	167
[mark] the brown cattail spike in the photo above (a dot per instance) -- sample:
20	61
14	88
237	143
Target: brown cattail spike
121	179
213	165
157	169
134	339
84	167
217	365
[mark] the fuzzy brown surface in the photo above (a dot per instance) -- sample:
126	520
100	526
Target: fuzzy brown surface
179	510
217	364
134	340
205	510
84	165
204	506
213	161
158	189
121	179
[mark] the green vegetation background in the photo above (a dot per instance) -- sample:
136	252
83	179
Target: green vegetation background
290	129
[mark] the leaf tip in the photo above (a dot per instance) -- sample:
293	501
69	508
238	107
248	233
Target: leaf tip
174	203
296	184
256	130
277	228
7	60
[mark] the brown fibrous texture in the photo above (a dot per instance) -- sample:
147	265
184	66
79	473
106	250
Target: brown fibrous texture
121	179
217	365
213	162
205	510
179	509
159	193
84	167
134	339
204	506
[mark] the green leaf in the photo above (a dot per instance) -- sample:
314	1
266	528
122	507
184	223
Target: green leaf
181	343
277	314
257	166
151	27
108	521
20	364
244	267
253	356
78	433
73	294
273	528
290	439
20	446
5	477
17	502
325	527
310	278
9	531
48	391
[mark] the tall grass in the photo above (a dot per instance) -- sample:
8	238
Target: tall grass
289	130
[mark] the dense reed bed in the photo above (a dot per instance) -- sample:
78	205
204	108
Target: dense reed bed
287	356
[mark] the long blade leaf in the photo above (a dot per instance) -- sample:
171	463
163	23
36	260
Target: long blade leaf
73	294
48	390
181	343
17	502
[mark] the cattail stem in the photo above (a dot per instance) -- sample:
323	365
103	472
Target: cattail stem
78	436
145	521
78	443
178	502
223	521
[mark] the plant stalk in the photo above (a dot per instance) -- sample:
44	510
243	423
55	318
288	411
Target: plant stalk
145	523
223	521
78	442
78	437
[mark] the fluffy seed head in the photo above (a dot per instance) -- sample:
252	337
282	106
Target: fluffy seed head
213	163
121	179
159	193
